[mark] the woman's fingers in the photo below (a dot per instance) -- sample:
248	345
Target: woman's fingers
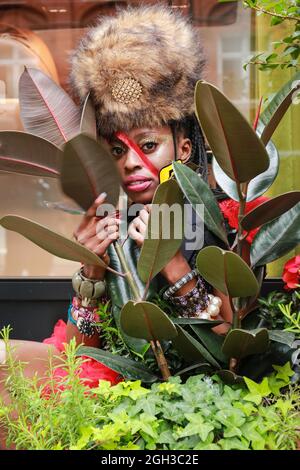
90	213
97	228
144	216
134	232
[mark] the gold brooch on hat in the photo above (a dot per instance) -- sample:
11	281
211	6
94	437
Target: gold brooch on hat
126	90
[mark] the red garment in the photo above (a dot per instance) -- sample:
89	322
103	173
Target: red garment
91	370
230	210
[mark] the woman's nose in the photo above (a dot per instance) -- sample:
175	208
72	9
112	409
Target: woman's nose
132	160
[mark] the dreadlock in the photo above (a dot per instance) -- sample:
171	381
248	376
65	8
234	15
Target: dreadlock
191	129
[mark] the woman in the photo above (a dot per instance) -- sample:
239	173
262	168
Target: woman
140	69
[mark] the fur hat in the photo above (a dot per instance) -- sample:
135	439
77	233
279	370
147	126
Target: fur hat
140	68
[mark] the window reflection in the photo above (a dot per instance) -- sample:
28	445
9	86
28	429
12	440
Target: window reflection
42	34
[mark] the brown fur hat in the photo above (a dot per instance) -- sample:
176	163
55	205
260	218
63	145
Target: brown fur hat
140	68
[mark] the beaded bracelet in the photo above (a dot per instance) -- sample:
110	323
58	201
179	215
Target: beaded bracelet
84	317
181	282
197	303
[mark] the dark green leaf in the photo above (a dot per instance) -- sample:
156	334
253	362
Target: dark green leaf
270	210
227	272
284	337
258	185
212	341
229	377
164	231
240	343
203	366
278	106
234	143
50	241
196	321
46	109
119	290
127	368
147	321
198	193
28	154
88	170
276	238
191	349
88	119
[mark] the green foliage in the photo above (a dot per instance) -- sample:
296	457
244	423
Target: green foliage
285	52
279	310
146	320
159	245
202	413
292	317
227	272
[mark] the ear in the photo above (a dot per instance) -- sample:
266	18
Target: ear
184	149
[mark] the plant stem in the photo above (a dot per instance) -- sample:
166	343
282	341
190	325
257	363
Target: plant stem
128	275
155	345
277	15
161	359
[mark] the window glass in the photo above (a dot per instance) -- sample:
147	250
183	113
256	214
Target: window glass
42	34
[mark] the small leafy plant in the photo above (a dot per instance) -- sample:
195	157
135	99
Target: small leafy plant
285	52
202	413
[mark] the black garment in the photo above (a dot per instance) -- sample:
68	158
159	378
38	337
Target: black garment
209	239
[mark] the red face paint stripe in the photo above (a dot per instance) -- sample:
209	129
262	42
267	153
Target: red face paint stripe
133	146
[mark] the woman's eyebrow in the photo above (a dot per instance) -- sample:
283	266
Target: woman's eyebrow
145	133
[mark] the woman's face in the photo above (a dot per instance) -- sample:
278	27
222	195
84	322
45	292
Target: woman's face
138	181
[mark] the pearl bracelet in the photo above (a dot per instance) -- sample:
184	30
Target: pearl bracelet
197	303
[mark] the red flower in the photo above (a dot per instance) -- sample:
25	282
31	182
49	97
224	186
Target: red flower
291	273
230	210
91	371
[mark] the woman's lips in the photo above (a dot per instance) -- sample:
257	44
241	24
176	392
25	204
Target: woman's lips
137	186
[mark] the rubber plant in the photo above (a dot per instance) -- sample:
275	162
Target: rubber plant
245	167
62	142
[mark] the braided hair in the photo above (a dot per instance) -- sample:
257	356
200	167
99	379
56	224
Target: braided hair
191	129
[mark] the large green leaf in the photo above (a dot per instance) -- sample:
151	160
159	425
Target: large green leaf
281	336
270	210
227	272
276	238
127	368
235	145
46	109
196	321
191	349
50	241
198	193
164	232
240	343
229	377
278	106
88	118
119	290
147	321
28	154
258	185
87	170
212	341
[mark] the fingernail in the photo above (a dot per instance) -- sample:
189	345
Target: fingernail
101	196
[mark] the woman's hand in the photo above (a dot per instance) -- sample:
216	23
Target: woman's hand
176	267
138	227
97	233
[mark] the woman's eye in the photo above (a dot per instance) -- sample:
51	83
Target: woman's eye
117	151
149	146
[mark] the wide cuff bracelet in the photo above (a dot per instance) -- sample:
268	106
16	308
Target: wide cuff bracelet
87	288
181	282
